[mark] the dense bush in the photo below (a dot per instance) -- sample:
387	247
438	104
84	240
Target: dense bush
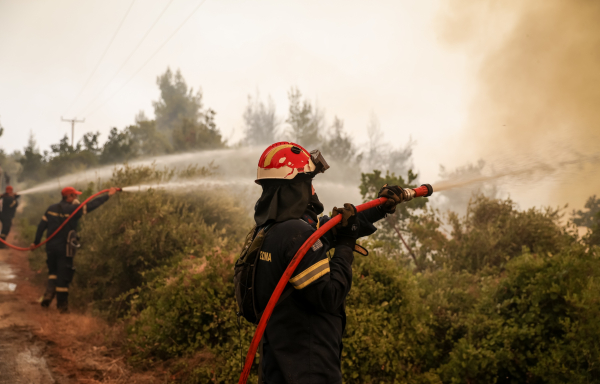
537	324
137	233
509	297
192	317
388	334
129	240
494	231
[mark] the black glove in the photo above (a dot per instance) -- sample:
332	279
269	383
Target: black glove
394	195
346	232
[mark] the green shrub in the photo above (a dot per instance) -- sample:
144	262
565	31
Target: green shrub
192	317
493	232
133	234
533	322
388	335
132	237
538	324
510	297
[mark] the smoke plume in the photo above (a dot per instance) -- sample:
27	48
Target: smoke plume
538	91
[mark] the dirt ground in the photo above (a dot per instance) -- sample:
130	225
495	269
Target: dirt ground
43	346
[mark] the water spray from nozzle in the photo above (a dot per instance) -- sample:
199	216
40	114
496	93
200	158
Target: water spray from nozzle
188	185
523	170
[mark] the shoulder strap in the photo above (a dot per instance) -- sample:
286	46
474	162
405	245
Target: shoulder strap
264	229
286	292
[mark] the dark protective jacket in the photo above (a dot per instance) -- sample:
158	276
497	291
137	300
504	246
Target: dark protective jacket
9	206
56	214
303	339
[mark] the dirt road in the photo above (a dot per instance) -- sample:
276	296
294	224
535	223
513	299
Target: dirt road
43	346
21	352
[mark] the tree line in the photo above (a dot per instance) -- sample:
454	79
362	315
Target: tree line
182	123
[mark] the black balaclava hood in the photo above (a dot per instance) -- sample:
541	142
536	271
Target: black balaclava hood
315	207
283	200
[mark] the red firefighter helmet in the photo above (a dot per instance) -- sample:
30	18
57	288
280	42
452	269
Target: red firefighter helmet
284	160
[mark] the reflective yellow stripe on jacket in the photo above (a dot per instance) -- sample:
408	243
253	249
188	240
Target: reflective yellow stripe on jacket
310	274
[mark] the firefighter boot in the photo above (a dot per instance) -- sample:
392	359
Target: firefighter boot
62	299
50	291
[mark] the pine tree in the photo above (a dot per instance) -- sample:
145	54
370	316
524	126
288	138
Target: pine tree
305	122
261	121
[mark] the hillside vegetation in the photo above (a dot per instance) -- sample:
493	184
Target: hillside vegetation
507	296
493	294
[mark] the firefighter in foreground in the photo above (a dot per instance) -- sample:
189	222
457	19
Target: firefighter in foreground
302	342
9	207
61	248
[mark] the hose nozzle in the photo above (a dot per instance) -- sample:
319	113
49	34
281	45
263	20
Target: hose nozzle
424	190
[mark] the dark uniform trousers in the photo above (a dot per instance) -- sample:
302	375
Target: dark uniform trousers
6	224
60	275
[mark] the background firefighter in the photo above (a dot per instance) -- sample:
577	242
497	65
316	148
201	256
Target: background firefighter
61	248
302	342
9	207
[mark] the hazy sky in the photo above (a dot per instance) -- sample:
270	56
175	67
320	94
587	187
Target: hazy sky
354	58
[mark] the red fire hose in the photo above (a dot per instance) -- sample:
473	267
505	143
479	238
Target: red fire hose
424	190
61	226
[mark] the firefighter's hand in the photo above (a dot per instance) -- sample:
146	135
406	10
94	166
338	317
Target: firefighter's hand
394	196
112	191
346	232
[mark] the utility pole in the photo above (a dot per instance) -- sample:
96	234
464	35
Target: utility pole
72	121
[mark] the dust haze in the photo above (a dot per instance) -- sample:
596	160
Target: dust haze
538	97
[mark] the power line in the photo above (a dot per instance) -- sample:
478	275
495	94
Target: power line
128	57
150	58
101	57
